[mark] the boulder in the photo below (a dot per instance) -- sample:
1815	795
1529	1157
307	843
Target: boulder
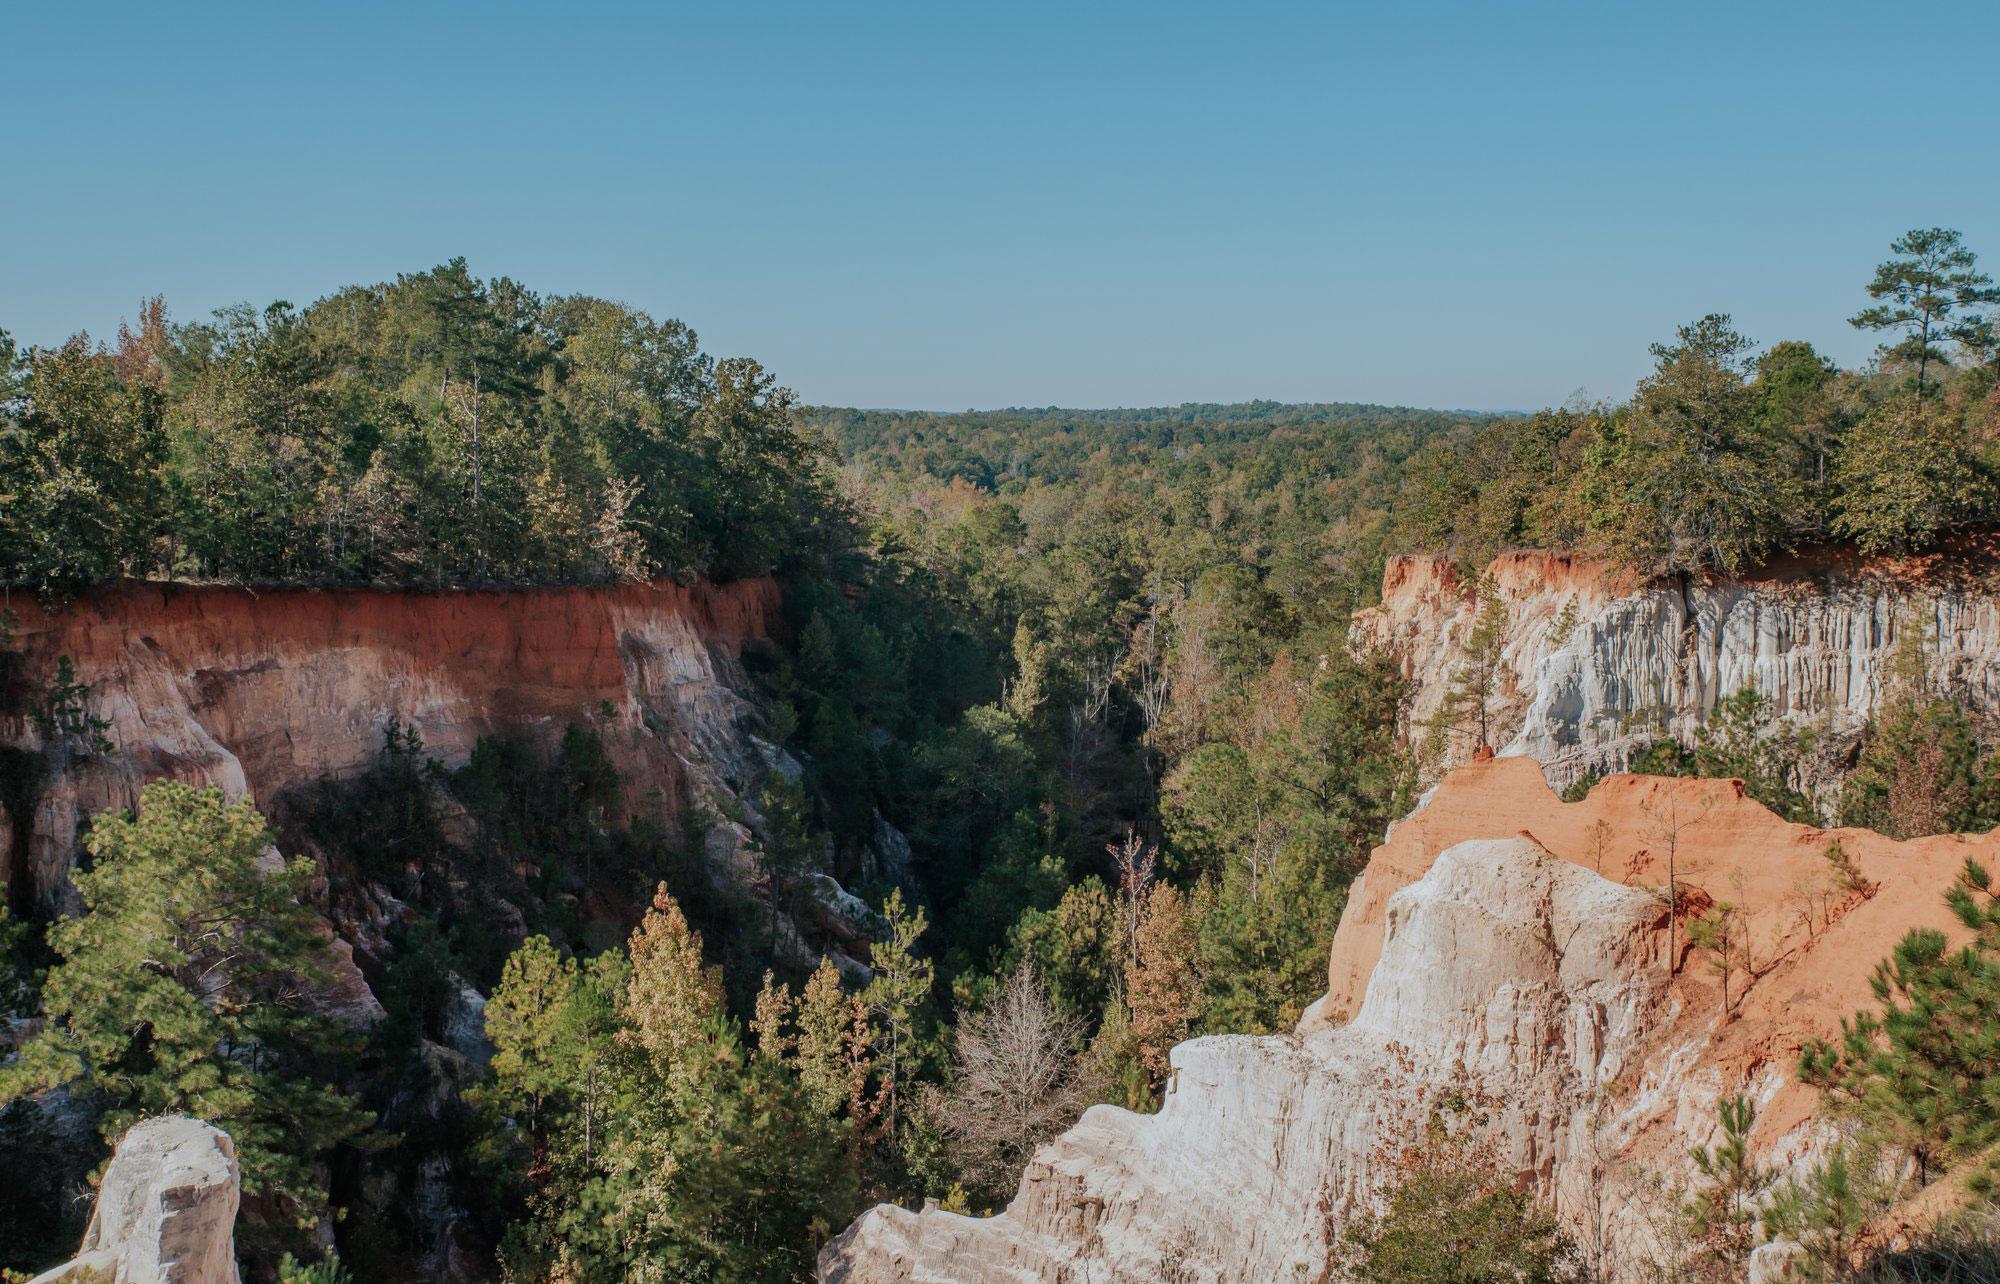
166	1212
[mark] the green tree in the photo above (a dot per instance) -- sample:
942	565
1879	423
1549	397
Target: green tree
1903	475
194	982
1074	949
1925	1070
1725	1210
1695	484
897	999
1451	1215
693	1159
1722	932
1920	769
1796	403
1468	704
1827	1210
528	1022
80	462
1742	738
1926	294
1340	764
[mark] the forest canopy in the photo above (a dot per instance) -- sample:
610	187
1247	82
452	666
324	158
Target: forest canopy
436	429
1726	454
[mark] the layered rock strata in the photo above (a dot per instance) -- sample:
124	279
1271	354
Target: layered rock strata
1595	661
1503	945
255	692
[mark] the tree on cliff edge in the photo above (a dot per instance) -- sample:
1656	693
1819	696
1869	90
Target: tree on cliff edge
194	983
1928	293
1925	1071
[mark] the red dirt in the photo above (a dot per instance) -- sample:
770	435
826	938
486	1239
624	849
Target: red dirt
1812	946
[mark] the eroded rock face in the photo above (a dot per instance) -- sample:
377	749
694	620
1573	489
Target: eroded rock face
1597	661
1505	969
166	1212
257	692
1508	965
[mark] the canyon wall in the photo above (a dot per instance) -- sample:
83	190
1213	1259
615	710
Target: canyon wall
255	692
1503	942
1595	661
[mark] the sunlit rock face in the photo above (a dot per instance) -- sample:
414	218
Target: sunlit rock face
166	1211
1484	954
1597	661
257	692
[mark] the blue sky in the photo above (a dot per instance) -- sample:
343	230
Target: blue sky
948	205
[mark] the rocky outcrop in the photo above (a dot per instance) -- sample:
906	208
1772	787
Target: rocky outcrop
255	692
166	1211
1597	661
1502	942
1257	1138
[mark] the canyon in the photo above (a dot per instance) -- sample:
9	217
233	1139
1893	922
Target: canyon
1501	942
1506	946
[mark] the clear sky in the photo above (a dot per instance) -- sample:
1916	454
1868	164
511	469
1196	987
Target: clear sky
947	205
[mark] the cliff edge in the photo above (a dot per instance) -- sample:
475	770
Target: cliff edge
166	1210
1597	661
1483	950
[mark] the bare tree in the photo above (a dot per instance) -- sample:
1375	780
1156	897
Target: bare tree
1669	822
1600	840
1136	860
1015	1083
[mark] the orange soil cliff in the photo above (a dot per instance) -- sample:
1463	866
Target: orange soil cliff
257	691
1811	944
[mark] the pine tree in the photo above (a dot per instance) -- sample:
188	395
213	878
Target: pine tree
525	1021
1925	1070
1162	985
1725	1211
669	1151
1468	705
1721	931
191	983
1930	289
897	997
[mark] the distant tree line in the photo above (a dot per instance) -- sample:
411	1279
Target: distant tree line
432	430
1725	455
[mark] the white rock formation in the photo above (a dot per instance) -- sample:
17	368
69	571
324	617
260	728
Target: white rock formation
166	1212
1504	970
1597	662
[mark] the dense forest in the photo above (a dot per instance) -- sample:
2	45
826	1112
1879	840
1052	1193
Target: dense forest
1093	663
432	430
1727	453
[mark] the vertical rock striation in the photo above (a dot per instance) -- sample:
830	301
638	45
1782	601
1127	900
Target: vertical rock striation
1598	661
1505	970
